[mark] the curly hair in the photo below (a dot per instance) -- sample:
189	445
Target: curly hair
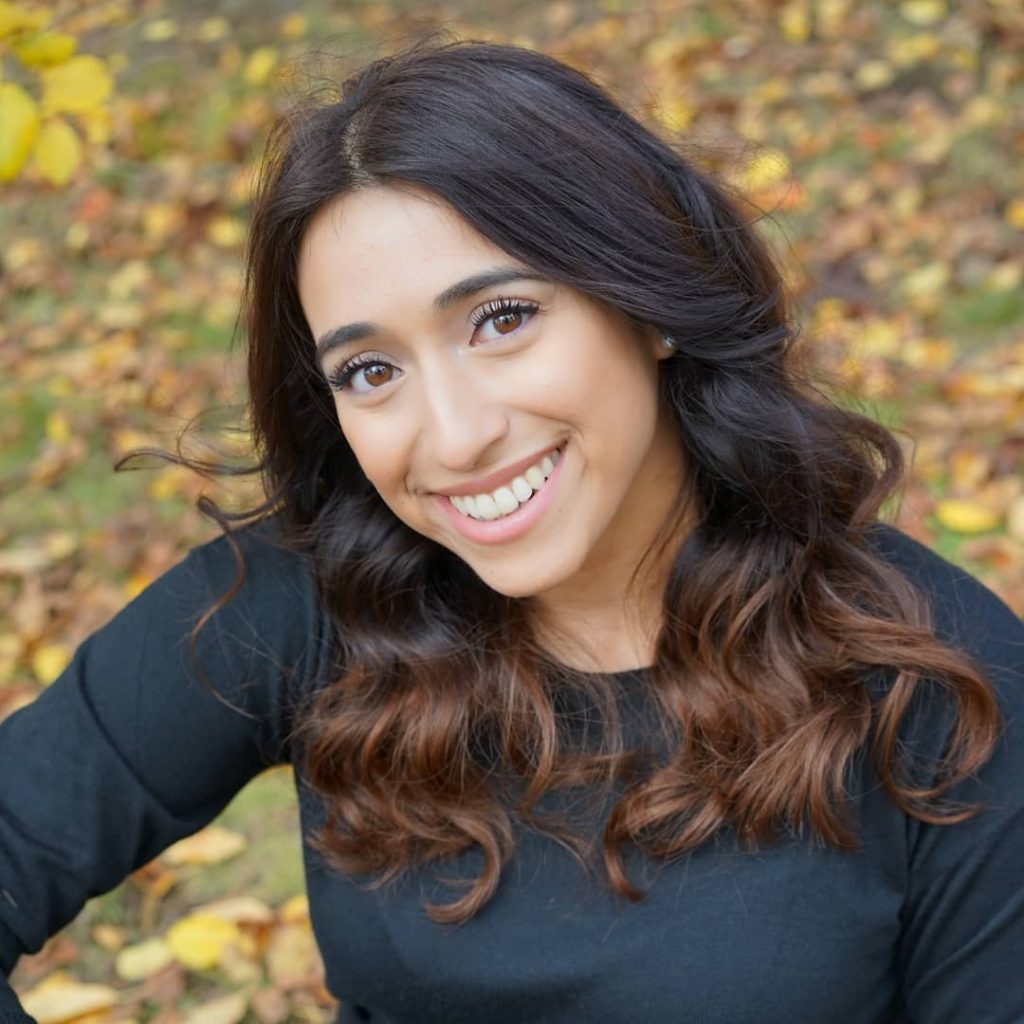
445	719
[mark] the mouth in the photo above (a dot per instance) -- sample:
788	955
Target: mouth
507	525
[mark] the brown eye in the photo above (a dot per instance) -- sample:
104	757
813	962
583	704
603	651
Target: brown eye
368	370
511	320
507	315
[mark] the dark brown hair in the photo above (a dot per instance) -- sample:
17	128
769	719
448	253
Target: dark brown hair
446	717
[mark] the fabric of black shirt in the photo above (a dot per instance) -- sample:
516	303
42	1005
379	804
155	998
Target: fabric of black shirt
128	752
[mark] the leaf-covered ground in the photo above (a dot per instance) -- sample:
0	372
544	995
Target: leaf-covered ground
881	146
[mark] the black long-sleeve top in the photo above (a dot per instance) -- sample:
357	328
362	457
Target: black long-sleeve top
128	752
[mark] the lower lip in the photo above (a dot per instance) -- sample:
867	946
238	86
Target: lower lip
497	531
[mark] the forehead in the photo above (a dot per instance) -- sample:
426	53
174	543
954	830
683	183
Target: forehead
385	241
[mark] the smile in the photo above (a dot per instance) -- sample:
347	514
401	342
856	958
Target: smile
505	500
511	510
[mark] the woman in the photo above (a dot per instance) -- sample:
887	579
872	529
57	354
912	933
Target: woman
568	587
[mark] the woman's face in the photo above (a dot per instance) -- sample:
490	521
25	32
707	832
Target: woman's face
452	390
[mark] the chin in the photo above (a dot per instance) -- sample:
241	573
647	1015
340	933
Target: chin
522	584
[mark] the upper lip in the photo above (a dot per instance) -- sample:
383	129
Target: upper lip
491	482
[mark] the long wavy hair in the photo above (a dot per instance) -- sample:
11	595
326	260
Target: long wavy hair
445	718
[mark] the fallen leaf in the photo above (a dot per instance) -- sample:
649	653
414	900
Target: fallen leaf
142	960
270	1005
109	936
923	12
962	516
198	940
209	846
61	997
19	115
227	1009
80	84
260	64
16	19
292	957
295	909
240	909
49	660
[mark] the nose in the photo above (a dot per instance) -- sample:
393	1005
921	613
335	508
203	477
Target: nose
461	419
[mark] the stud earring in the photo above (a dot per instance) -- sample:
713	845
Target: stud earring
668	341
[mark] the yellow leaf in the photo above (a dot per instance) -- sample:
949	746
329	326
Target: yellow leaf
795	23
57	427
109	936
19	116
134	963
166	485
963	516
292	958
130	279
198	941
928	353
1015	518
15	19
226	232
879	338
295	909
1005	277
874	74
61	998
239	909
76	238
209	846
46	48
160	30
259	65
675	113
136	584
58	152
161	220
769	167
81	84
923	12
49	660
227	1009
97	124
968	470
927	280
212	29
905	51
1015	213
59	544
294	26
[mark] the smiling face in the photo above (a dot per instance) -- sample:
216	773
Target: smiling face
453	389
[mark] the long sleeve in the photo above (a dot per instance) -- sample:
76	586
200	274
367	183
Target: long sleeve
128	752
962	922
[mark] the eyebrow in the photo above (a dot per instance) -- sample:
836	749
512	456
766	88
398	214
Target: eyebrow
337	337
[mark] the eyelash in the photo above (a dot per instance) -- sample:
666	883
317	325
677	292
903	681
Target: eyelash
340	377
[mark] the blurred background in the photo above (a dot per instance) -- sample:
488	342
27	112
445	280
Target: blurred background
879	146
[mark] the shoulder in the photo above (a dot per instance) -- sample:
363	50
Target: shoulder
967	614
969	617
257	602
273	577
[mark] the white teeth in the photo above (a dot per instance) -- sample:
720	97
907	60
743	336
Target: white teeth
505	500
486	507
534	477
508	498
522	489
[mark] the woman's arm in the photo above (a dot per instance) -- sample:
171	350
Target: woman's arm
127	752
961	950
